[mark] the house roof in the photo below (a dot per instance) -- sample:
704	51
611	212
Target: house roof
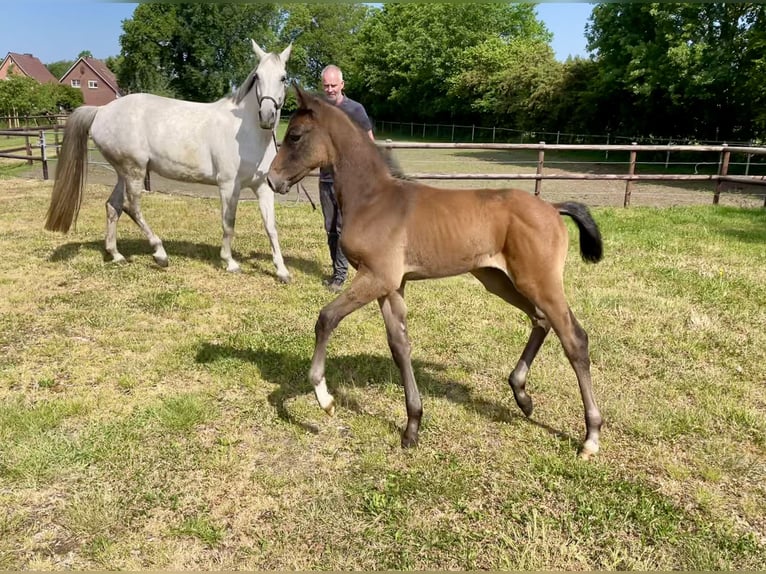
31	67
101	71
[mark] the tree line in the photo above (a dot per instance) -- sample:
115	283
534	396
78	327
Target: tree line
690	70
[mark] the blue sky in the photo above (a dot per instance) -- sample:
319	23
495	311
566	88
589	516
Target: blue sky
60	30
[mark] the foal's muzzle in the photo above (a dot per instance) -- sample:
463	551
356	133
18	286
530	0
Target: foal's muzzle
277	184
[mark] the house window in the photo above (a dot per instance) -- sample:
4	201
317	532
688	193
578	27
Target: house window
92	84
75	83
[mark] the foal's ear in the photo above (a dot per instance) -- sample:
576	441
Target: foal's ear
303	97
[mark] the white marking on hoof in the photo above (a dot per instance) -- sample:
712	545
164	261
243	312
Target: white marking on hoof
118	258
284	277
589	449
325	399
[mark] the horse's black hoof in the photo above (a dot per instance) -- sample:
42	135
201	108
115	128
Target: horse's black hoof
525	404
408	441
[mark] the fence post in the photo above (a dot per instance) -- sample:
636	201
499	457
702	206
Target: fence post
631	172
540	160
43	155
606	155
493	134
667	155
723	169
29	148
473	127
452	137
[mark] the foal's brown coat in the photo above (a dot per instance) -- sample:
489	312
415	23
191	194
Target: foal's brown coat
395	230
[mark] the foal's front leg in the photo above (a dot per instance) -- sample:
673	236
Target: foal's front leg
363	288
394	311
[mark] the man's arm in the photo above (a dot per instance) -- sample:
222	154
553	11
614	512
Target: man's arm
369	133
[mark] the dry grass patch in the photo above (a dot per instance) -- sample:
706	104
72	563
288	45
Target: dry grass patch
162	418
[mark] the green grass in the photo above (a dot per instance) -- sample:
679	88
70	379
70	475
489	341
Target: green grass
162	418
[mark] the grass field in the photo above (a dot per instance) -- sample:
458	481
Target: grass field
162	418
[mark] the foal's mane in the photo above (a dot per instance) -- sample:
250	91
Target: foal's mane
386	154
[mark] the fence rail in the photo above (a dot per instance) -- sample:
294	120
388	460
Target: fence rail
42	145
723	154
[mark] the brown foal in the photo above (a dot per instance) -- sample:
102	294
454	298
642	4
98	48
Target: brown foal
395	230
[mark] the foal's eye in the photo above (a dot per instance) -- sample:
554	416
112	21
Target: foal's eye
293	137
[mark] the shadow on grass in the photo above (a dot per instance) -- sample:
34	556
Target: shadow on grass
207	253
289	373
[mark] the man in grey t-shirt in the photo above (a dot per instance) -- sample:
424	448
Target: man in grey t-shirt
332	84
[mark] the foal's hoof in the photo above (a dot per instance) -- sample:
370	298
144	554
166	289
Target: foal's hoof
588	450
525	404
409	442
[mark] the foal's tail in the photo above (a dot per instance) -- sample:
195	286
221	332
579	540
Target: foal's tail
591	245
71	171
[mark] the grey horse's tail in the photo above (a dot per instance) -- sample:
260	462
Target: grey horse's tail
71	171
591	245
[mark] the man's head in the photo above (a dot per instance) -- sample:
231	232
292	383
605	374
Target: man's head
332	84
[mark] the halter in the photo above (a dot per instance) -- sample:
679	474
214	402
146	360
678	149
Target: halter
260	98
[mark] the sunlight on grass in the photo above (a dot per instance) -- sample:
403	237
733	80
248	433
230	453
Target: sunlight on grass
163	419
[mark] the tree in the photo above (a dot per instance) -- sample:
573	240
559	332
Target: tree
412	50
197	52
678	68
322	34
510	82
59	68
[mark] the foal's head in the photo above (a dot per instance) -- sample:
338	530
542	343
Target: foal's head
315	131
314	136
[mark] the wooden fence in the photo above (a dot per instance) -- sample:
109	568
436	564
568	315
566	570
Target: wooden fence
722	176
722	153
29	135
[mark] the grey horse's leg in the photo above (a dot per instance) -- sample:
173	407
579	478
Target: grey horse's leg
266	203
132	206
229	200
114	207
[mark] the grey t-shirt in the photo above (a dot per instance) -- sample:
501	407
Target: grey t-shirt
356	112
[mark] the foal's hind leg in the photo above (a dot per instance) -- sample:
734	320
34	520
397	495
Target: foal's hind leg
394	312
574	340
132	205
266	203
498	283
